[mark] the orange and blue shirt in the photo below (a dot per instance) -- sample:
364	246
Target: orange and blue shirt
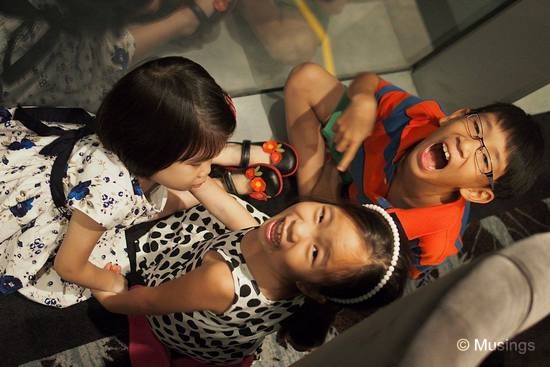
402	121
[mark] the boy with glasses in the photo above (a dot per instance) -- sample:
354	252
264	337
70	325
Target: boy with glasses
404	153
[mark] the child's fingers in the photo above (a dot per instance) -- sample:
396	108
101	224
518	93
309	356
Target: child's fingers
337	126
112	267
342	140
349	154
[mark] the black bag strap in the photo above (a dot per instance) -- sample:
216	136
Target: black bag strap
132	235
62	147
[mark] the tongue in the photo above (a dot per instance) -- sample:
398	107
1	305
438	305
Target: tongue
428	159
434	158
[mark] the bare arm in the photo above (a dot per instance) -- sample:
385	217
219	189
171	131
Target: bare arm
357	121
71	261
223	206
311	95
208	287
176	201
149	36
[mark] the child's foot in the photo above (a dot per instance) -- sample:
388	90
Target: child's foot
241	183
203	12
281	155
260	182
257	155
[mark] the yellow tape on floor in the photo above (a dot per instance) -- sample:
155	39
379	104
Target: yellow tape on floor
320	32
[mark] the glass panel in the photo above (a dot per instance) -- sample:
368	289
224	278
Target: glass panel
70	52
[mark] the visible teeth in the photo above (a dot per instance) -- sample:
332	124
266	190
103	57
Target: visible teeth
446	151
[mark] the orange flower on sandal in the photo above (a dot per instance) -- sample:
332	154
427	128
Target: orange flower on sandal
269	146
250	172
281	155
274	149
264	180
257	184
276	157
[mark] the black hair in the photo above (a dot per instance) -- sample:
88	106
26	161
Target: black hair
308	326
524	145
166	110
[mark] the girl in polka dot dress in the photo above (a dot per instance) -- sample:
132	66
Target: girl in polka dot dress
213	295
61	190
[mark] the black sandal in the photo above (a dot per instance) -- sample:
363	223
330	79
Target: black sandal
205	20
282	156
265	180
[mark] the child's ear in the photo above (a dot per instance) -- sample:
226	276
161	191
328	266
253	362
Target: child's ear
481	195
311	291
457	113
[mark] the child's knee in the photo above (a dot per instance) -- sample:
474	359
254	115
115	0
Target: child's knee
303	77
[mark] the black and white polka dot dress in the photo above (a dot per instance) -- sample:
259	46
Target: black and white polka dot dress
204	335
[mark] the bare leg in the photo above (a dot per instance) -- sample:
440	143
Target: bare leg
231	155
181	22
311	95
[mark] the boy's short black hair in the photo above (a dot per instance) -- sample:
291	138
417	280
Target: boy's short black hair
166	110
524	145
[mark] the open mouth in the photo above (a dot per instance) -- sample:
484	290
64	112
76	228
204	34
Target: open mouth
435	156
275	232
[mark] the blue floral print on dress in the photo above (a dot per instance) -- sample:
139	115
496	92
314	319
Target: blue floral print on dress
21	209
9	284
137	188
23	144
79	191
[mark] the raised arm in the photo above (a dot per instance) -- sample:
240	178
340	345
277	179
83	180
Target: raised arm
223	206
208	287
71	261
357	121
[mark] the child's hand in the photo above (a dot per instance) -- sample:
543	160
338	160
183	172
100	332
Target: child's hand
120	283
353	127
115	268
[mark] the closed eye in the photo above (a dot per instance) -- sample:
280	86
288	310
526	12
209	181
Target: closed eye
314	253
321	215
477	128
486	161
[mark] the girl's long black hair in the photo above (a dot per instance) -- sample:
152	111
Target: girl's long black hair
308	327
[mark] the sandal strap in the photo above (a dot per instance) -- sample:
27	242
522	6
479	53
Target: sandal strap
245	154
199	13
228	182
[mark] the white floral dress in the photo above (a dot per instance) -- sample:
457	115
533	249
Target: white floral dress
32	227
77	69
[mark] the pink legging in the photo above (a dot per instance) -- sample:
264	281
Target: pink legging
146	350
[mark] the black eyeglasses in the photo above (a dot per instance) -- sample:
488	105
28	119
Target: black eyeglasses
474	126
